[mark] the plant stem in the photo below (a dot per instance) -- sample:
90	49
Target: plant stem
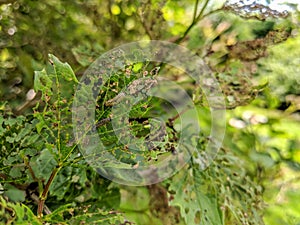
58	111
201	12
195	10
195	20
44	194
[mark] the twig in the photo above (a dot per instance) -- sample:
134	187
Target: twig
148	32
30	169
35	198
195	10
43	197
171	120
194	22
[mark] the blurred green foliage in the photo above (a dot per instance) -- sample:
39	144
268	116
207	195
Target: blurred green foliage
253	54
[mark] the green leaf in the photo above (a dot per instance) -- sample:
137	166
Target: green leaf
66	151
11	139
58	214
83	214
208	203
61	183
29	140
195	207
15	172
14	194
42	82
87	53
11	122
63	70
25	215
99	218
17	213
40	125
135	198
2	130
24	132
43	164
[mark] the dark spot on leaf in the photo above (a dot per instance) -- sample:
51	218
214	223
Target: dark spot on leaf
197	218
87	81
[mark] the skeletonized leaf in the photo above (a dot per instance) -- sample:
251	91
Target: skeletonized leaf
83	214
195	207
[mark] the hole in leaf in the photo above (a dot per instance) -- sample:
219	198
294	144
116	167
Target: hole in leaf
186	210
197	218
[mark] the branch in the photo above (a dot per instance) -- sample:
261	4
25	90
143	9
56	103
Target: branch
43	197
148	32
195	10
194	22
